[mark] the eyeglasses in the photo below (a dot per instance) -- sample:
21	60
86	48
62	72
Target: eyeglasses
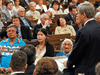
11	31
67	44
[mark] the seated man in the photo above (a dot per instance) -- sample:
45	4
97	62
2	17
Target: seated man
19	58
9	12
70	16
67	46
32	11
24	31
23	20
31	52
46	66
8	47
45	23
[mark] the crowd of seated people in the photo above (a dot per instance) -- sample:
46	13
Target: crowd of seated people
21	28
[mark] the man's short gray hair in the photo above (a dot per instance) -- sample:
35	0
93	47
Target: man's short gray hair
32	3
20	9
43	16
87	8
97	14
65	41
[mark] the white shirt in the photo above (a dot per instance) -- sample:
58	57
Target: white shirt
44	7
11	13
16	72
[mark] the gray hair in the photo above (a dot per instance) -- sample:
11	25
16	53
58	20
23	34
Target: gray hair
65	41
32	3
20	9
97	14
43	16
87	8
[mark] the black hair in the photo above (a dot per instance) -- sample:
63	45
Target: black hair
58	22
7	2
43	30
30	51
18	61
56	3
15	16
72	7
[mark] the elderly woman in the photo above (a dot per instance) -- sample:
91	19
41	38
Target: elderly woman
41	6
97	17
55	8
62	28
67	46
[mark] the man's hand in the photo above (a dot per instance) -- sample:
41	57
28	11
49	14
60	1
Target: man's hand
2	69
46	23
8	70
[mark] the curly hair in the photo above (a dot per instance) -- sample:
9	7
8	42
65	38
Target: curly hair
46	66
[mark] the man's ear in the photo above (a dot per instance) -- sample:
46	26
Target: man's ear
10	63
34	73
26	66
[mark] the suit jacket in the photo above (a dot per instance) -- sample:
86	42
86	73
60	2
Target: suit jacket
86	51
49	50
28	21
69	18
23	3
25	31
6	15
36	28
30	69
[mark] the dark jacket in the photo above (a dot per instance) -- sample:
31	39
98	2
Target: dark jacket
49	50
21	22
69	18
30	69
86	51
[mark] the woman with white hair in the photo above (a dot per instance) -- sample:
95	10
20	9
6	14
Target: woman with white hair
67	46
97	17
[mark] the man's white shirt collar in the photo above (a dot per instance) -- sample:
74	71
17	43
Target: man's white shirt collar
16	72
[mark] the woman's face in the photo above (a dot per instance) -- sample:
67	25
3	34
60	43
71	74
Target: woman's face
41	36
62	21
17	2
40	2
55	6
67	47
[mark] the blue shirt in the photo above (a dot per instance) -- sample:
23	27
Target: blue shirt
62	54
7	51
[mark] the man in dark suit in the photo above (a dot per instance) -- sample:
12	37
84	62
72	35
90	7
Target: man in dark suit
24	31
70	16
18	58
24	3
23	20
31	52
44	24
86	50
